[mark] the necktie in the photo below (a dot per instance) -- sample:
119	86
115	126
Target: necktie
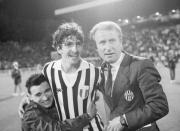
108	82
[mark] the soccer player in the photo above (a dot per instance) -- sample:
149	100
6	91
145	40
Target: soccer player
41	115
72	79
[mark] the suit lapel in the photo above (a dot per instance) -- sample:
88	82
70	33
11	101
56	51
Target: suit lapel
122	79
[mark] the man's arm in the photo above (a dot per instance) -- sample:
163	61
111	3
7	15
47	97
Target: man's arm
35	119
156	105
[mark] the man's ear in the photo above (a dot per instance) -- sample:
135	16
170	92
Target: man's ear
59	50
29	96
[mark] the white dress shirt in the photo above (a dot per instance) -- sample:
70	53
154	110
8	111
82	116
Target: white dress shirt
115	68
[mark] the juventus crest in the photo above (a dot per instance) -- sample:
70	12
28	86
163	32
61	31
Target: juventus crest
84	91
129	95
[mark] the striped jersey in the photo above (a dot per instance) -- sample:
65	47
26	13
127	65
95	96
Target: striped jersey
72	100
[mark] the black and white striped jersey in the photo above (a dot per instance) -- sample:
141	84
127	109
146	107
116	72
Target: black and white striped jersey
72	100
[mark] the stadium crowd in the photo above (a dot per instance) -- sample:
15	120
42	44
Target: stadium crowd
160	44
27	54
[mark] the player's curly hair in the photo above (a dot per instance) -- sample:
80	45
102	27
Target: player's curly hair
65	30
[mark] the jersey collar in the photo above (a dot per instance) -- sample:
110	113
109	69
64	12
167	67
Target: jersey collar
83	65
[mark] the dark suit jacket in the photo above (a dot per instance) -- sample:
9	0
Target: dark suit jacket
137	93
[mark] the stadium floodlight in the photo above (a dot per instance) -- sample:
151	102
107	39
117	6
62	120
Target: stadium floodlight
139	19
174	14
126	21
119	20
156	16
83	6
173	11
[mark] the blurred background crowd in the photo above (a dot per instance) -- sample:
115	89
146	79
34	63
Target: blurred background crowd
26	28
161	44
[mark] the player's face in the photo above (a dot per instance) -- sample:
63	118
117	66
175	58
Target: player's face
109	45
71	49
42	94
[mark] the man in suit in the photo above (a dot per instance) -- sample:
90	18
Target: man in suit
134	96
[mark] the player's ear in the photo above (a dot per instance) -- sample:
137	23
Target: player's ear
30	97
59	50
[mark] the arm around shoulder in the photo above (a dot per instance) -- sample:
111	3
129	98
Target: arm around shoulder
34	119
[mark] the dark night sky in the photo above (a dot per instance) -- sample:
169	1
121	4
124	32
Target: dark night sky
43	9
127	8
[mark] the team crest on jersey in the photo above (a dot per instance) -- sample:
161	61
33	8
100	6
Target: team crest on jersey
84	92
129	95
59	90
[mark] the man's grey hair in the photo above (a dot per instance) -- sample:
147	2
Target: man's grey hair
105	25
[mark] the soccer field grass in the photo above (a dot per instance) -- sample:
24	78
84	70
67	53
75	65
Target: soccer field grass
9	120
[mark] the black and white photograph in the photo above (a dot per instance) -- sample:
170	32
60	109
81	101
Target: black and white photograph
89	65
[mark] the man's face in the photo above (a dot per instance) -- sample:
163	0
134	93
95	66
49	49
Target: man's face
71	49
15	65
42	94
109	45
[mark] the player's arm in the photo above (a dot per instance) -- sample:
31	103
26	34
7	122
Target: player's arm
77	123
80	122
